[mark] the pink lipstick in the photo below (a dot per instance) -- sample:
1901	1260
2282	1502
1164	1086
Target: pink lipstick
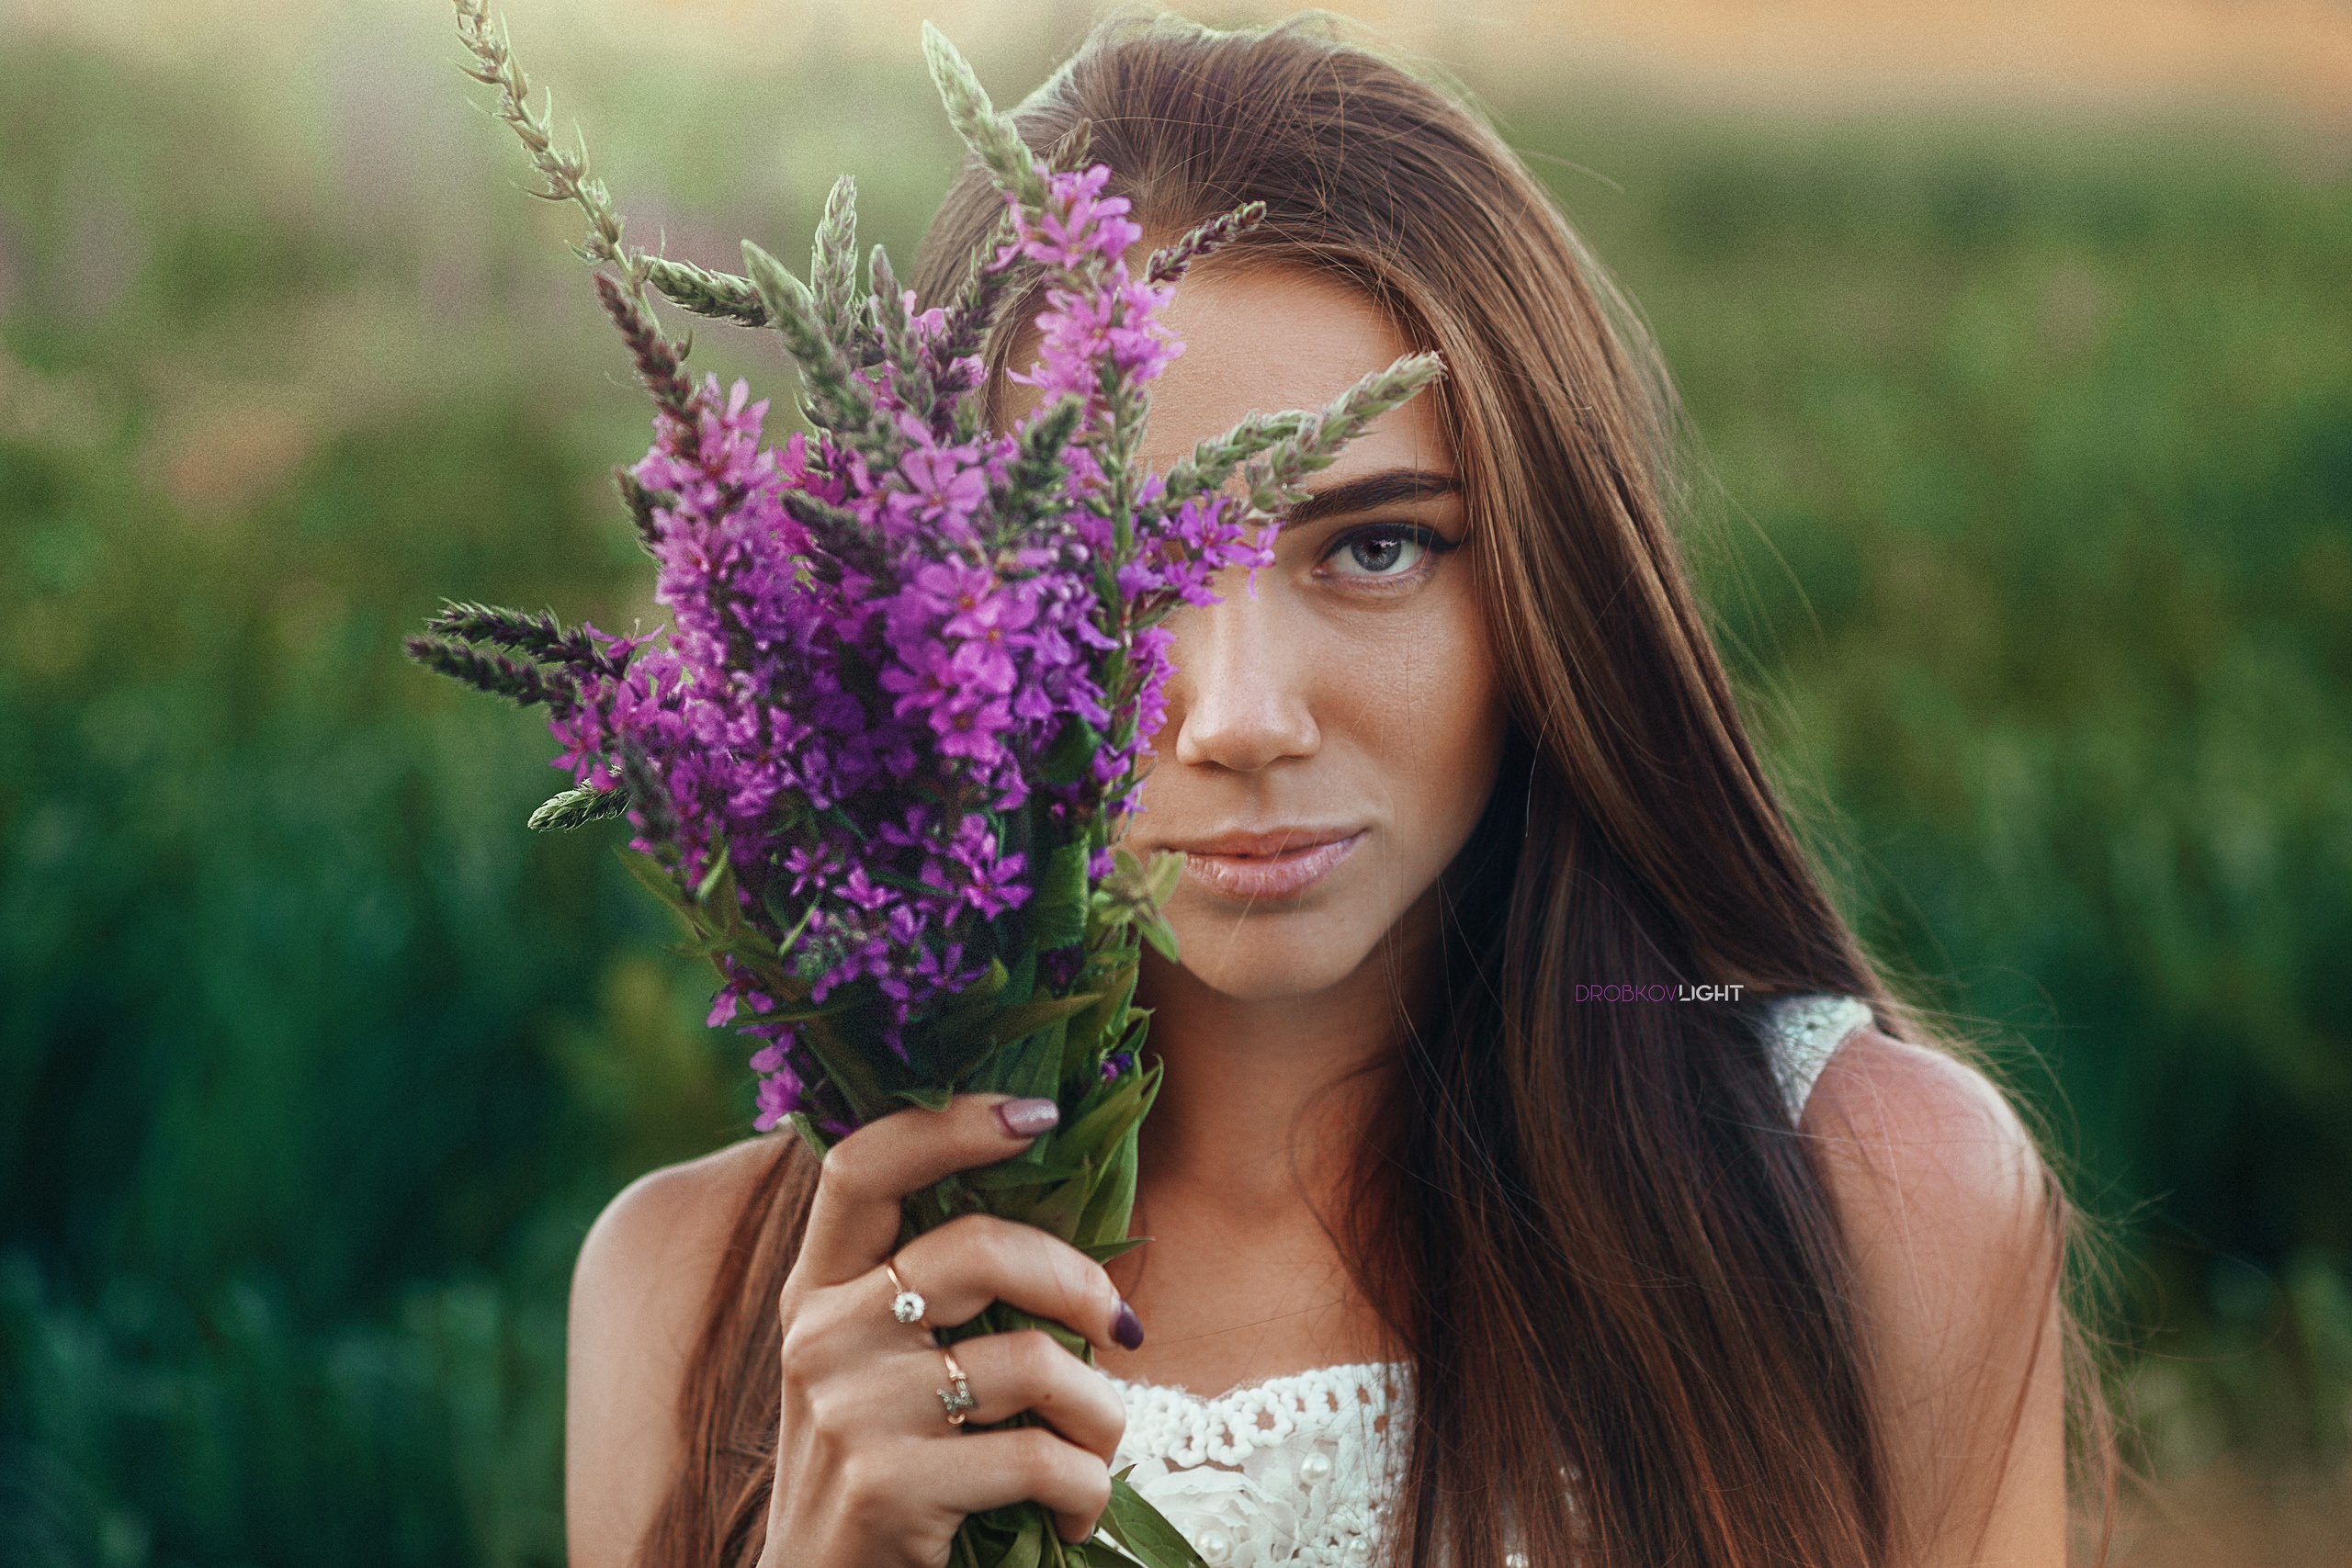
1260	866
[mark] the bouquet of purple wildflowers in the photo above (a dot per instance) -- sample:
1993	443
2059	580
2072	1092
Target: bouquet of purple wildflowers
881	757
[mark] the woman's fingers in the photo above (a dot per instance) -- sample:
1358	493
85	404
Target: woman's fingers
969	1262
1026	1370
988	1470
853	1219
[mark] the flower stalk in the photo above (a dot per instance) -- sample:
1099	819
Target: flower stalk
881	759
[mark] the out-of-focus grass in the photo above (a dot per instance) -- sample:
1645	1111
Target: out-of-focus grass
2035	550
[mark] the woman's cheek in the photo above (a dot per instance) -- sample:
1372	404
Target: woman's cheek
1432	715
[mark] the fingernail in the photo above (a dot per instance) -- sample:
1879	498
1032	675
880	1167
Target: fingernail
1126	1328
1027	1118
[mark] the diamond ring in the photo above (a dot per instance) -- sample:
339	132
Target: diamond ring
907	1306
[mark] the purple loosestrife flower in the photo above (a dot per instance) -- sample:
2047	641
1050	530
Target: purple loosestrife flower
907	664
882	753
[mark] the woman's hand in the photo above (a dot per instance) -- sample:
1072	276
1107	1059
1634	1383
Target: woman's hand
868	1471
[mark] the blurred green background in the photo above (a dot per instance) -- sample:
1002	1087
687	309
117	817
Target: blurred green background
2032	542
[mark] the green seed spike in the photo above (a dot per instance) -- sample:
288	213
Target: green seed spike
835	400
577	808
1169	262
642	503
993	136
1212	461
833	263
1273	474
719	295
519	681
567	172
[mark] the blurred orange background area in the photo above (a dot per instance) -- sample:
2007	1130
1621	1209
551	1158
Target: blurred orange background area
2295	55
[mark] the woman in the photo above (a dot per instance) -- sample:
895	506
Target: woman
1542	1173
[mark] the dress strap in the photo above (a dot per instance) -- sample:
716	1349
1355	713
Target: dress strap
1802	1032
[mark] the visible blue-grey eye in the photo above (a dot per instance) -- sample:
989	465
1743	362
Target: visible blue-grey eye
1390	551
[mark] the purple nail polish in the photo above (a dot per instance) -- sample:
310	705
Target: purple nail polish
1027	1118
1126	1328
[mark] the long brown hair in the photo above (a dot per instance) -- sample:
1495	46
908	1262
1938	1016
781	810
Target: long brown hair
1615	1270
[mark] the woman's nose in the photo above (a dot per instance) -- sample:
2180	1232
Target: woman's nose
1238	696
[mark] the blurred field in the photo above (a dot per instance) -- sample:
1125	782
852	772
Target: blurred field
2033	543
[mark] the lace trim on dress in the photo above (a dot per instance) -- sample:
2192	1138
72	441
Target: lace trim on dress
1299	1470
1295	1469
1804	1032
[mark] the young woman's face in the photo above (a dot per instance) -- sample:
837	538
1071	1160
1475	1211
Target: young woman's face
1330	738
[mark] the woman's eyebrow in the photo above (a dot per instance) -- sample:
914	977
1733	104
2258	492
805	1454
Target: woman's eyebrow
1390	487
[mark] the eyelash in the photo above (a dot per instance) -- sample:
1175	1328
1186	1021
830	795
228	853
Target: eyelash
1430	540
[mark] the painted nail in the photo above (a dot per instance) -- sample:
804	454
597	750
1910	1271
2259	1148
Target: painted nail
1126	1328
1027	1118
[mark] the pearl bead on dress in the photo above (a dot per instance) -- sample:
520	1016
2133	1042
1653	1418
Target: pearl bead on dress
1314	1470
1215	1549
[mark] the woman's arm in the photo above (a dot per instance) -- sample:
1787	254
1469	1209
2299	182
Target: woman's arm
640	1294
1954	1228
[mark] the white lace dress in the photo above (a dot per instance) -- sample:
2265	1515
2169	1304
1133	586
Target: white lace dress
1298	1470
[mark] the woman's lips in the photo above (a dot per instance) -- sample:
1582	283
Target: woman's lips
1267	865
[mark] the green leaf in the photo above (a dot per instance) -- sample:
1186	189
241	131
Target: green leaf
850	1071
1160	877
1072	752
1058	914
1028	1545
1098	1550
1109	1015
718	879
1146	1536
1161	935
957	1044
1110	1210
1020	983
1031	1067
792	1017
931	1097
657	881
1104	1123
1060	1210
1016	1024
1015	1174
802	1123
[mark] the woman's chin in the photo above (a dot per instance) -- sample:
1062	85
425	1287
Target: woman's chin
1257	960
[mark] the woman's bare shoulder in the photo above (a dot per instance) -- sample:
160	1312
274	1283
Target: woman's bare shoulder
1954	1227
670	1217
1910	1135
639	1296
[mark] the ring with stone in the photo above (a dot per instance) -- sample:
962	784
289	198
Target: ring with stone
957	1398
907	1306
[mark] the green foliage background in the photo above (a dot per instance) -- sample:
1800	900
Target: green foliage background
2033	542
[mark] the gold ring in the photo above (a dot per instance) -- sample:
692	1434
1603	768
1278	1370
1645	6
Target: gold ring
957	1398
907	1306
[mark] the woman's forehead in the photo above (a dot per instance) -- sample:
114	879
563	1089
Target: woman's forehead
1261	339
